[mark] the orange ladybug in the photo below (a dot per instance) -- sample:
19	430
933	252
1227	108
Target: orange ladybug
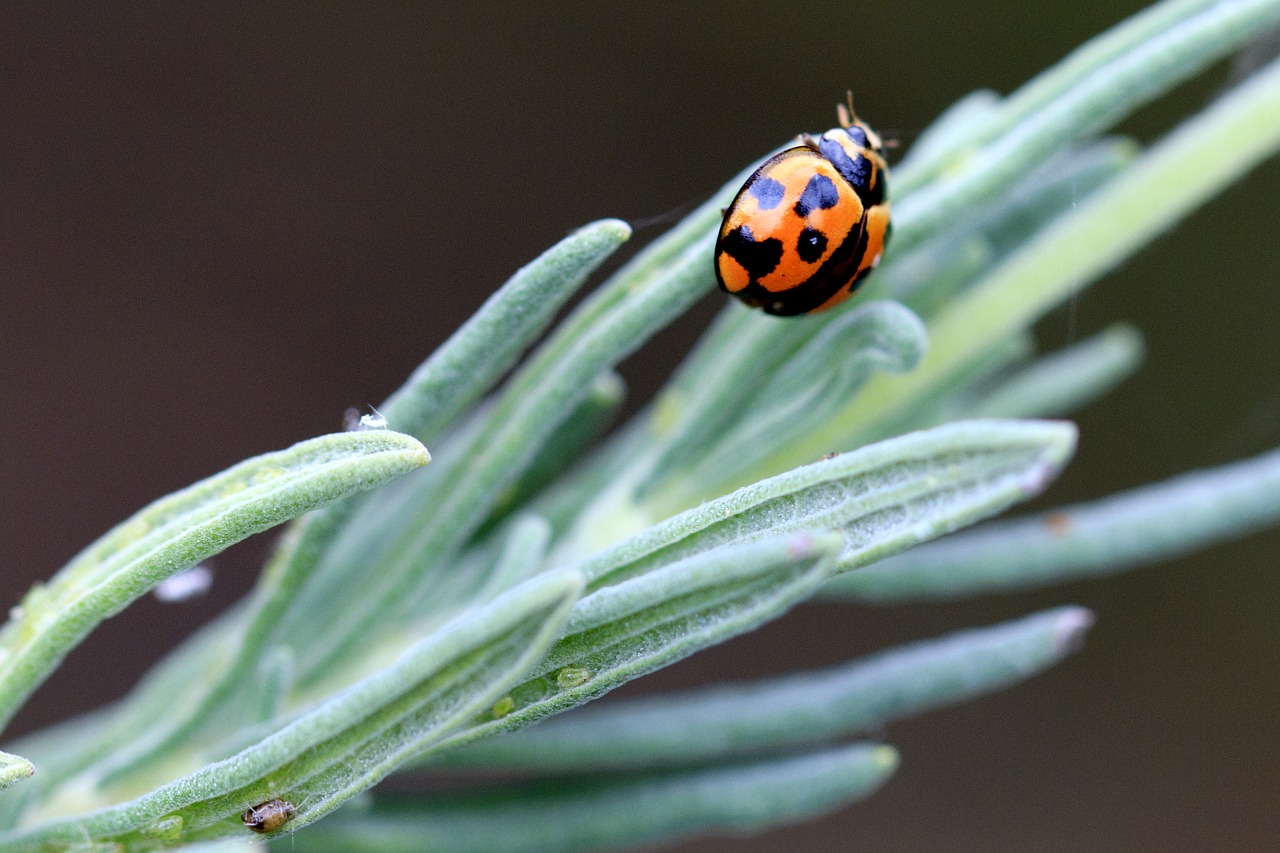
809	224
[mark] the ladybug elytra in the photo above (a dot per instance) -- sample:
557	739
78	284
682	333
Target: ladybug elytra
809	224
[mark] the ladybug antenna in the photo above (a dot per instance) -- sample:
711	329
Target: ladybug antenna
845	111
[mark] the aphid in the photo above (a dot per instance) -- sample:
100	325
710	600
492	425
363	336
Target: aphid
269	816
809	224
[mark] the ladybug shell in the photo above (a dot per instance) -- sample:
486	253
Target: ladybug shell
807	226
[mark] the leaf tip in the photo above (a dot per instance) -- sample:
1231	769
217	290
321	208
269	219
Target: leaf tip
615	230
1059	441
14	768
1071	627
885	758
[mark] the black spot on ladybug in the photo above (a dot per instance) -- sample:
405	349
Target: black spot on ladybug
858	135
768	192
838	272
819	194
811	245
858	171
757	258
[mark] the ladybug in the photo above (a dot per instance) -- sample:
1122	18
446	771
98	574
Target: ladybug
809	224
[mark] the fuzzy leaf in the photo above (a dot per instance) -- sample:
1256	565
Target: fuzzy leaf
14	768
613	813
625	631
522	554
1060	383
1128	529
346	742
487	345
1087	98
1182	171
807	388
885	497
583	426
723	721
447	511
176	532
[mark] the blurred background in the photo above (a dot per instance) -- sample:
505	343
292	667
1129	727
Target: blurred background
221	225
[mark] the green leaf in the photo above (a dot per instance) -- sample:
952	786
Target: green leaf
618	812
178	531
505	440
807	388
567	444
954	130
527	541
1060	383
1182	171
710	390
625	631
346	742
1104	537
167	692
488	344
1084	98
885	497
14	768
805	708
974	120
237	845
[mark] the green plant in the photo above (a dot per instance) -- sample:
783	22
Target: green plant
514	579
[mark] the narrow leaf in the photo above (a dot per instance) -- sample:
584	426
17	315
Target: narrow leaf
974	121
1182	171
567	444
346	743
610	325
792	710
615	813
1091	103
1104	537
14	768
476	355
169	690
178	531
807	388
885	497
453	378
649	622
1060	383
522	554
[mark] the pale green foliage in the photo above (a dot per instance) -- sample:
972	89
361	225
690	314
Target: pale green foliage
526	572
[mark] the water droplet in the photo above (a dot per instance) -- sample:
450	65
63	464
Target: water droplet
166	828
189	584
572	676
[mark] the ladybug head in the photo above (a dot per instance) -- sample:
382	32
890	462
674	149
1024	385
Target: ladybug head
859	131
